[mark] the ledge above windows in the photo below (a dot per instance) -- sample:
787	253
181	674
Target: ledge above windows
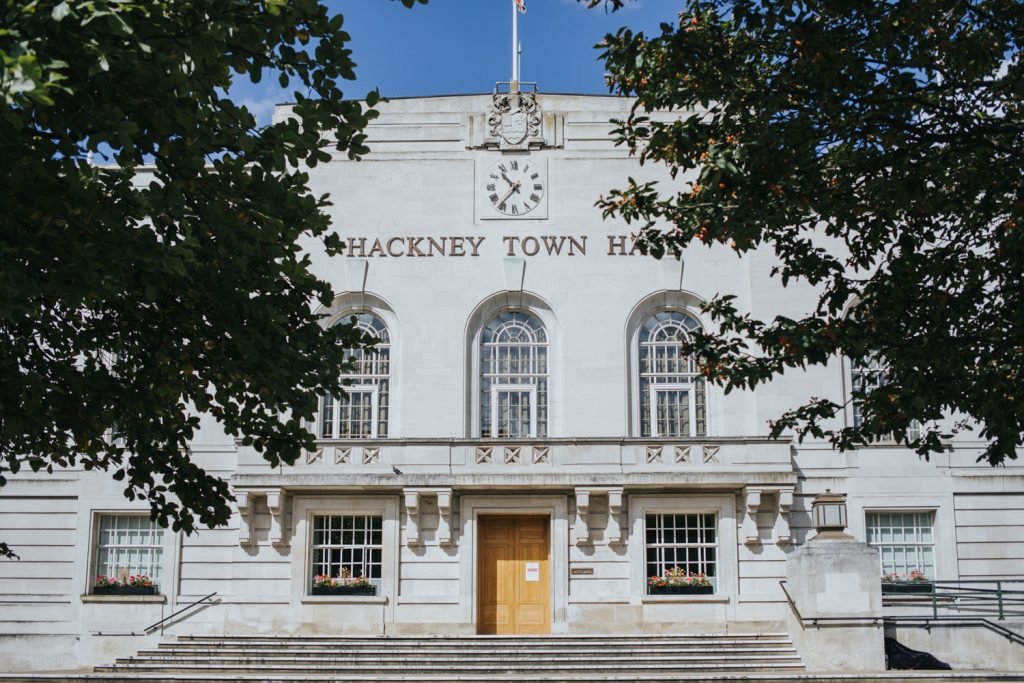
443	463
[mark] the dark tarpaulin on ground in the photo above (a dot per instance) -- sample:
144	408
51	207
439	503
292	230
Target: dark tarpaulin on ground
899	656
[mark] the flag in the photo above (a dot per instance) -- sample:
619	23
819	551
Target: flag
520	5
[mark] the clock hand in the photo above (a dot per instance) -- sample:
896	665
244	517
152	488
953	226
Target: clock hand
514	188
506	178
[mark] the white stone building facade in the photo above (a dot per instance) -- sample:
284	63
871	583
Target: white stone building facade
523	449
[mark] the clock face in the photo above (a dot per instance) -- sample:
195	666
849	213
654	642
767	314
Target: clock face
514	186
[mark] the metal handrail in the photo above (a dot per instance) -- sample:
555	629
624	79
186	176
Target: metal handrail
999	594
975	595
152	627
1010	635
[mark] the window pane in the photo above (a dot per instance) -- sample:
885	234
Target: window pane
904	540
352	550
354	416
513	351
661	362
681	542
129	545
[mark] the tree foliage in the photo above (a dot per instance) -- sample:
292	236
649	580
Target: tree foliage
878	150
168	283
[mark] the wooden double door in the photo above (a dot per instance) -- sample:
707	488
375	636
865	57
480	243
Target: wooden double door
514	572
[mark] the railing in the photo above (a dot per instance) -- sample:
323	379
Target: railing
152	627
967	602
953	603
988	597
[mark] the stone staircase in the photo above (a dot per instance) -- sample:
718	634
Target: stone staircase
713	658
466	658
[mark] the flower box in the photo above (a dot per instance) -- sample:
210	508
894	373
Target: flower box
681	590
906	588
124	590
343	590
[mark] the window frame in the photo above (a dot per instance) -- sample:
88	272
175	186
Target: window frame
314	546
528	389
932	512
648	418
691	399
497	381
373	390
305	507
724	507
850	369
686	545
371	383
165	547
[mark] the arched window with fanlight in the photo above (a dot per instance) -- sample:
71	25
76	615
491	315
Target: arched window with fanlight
672	393
363	412
514	377
867	376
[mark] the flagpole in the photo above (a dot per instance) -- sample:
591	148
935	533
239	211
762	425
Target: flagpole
515	46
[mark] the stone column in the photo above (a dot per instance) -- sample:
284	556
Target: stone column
835	575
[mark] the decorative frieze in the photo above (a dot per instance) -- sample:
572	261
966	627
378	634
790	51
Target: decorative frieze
711	454
342	456
511	455
682	454
541	455
653	454
483	455
371	455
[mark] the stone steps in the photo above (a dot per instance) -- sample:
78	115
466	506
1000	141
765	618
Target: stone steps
710	658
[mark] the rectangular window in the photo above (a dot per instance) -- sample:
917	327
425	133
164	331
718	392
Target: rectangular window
905	541
129	545
347	546
674	411
687	542
352	417
514	409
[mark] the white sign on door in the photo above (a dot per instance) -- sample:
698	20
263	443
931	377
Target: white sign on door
533	571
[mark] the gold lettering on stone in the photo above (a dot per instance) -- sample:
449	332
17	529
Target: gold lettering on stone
391	251
458	246
474	244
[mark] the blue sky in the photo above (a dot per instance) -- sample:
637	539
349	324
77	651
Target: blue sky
464	46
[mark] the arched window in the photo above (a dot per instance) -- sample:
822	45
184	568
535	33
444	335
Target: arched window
363	412
514	377
866	376
672	392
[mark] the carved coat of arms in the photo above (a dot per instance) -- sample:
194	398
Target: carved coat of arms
514	119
